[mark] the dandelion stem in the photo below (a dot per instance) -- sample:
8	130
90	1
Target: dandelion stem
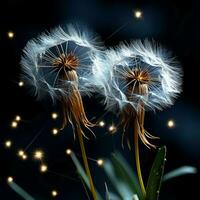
85	161
137	156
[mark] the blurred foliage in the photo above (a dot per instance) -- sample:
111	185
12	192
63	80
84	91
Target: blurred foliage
123	183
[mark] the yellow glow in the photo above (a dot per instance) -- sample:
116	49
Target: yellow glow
17	118
171	123
21	83
24	156
55	131
138	14
100	162
38	154
68	151
10	34
8	143
20	153
54	115
102	123
112	129
14	124
43	168
10	179
54	193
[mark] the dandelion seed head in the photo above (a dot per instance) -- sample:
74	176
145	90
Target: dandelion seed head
47	59
139	73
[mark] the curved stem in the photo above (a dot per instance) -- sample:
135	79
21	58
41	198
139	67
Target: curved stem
137	156
85	161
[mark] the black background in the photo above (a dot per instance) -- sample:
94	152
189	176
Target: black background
174	24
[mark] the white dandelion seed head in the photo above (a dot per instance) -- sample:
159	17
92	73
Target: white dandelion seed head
164	74
39	54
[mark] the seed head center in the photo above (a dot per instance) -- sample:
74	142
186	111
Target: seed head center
69	61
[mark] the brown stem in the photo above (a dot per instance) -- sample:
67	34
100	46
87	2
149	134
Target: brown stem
85	161
137	155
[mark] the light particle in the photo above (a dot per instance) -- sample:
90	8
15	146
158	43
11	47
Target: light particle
21	83
43	168
100	162
171	123
54	115
10	179
55	131
10	34
101	123
138	14
54	193
8	143
68	151
14	124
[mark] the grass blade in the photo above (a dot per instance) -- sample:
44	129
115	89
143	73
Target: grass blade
156	174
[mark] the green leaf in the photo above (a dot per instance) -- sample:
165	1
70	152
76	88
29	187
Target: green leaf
82	173
122	177
109	195
156	174
20	191
126	172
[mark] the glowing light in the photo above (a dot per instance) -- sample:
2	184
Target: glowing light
68	151
100	162
8	143
10	179
10	34
24	156
21	83
20	153
54	193
102	123
38	155
55	131
43	168
17	118
14	124
54	115
138	14
171	123
112	129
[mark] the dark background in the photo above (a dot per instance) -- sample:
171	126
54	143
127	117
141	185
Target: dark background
174	24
